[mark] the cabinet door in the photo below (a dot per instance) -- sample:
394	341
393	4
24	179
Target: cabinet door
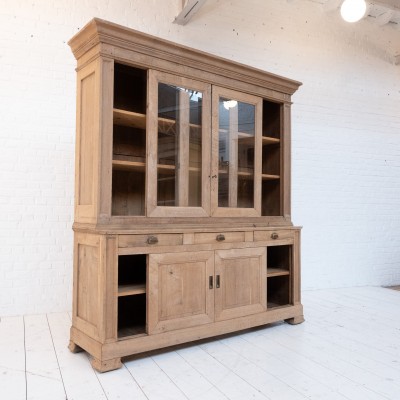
236	154
180	294
178	125
240	282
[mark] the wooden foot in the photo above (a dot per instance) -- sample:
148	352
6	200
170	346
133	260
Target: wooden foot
106	365
74	348
295	320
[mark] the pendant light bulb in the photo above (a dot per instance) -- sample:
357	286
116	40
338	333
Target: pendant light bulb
353	10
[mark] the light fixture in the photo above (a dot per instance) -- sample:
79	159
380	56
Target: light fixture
353	10
230	104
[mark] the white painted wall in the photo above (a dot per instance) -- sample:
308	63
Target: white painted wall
346	133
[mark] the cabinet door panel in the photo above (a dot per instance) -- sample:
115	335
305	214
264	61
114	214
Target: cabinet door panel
241	274
236	154
178	146
179	293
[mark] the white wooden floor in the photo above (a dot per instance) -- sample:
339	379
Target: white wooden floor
348	348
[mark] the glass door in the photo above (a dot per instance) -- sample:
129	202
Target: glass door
178	146
236	157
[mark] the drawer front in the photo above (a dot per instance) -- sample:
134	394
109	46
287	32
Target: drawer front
164	239
273	235
219	237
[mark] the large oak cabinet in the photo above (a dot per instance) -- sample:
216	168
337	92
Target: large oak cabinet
182	210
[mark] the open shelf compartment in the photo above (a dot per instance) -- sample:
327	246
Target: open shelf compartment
132	272
279	270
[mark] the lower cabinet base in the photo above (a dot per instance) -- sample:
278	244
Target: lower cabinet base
107	356
106	365
295	320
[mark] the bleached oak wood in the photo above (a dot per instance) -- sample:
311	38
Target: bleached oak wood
153	265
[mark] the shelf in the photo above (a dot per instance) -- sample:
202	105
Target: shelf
269	177
129	118
271	272
270	140
129	290
165	124
125	333
271	305
241	135
166	168
137	120
122	165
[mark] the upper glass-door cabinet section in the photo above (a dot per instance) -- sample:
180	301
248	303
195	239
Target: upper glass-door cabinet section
237	154
179	150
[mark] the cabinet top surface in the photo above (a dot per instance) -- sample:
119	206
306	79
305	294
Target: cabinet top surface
99	31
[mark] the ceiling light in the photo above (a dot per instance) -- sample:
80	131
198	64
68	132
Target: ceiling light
353	10
230	104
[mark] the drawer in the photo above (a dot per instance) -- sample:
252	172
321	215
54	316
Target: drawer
163	239
219	237
273	235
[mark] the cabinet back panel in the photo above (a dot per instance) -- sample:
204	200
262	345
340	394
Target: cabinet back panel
278	291
128	193
271	198
129	142
130	87
271	123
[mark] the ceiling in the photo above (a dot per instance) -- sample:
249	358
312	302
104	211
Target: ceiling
383	16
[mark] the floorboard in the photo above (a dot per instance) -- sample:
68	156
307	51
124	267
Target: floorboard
12	358
42	369
348	349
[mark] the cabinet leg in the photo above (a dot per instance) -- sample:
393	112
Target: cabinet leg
295	320
106	365
74	348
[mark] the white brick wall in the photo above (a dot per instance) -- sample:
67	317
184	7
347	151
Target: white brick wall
346	133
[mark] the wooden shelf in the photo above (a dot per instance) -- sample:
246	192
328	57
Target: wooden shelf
122	165
165	124
129	118
271	272
269	177
241	135
129	290
137	120
270	305
270	140
124	333
166	168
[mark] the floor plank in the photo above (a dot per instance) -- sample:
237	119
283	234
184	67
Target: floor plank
187	378
42	370
12	358
119	384
153	381
221	376
80	380
348	349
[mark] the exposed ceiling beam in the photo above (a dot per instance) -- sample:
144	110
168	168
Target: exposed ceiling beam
188	10
384	18
393	4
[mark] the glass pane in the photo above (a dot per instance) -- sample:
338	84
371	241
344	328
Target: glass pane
236	154
179	146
